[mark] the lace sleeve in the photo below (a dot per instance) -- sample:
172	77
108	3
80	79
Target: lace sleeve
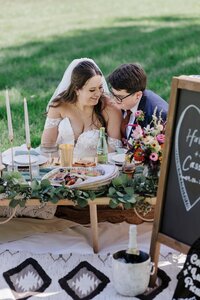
114	143
51	123
50	133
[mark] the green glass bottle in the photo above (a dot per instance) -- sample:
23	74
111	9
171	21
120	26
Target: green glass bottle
102	147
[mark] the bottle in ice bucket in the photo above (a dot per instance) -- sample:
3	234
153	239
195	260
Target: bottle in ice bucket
102	147
132	253
131	268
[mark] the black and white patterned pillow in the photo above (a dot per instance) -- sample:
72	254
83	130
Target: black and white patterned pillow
27	279
84	282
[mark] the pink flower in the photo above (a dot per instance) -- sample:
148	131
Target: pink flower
138	113
160	138
137	133
154	156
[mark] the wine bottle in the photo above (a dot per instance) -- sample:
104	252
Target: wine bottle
132	253
102	147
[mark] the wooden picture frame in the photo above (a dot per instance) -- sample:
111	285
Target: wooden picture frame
184	111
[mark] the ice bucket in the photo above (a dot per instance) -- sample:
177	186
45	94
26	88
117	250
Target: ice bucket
131	279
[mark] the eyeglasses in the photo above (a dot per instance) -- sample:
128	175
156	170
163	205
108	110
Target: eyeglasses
120	99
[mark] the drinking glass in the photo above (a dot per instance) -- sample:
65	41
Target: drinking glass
121	150
12	168
66	154
128	166
35	169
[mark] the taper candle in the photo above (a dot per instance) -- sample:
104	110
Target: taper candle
9	118
28	140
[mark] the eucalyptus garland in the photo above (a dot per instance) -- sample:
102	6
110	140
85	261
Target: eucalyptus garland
122	190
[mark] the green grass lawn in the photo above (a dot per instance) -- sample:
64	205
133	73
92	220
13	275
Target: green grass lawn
39	38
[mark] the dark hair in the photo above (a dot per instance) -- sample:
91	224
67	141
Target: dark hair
80	75
130	77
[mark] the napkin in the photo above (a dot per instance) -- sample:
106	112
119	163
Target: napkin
26	152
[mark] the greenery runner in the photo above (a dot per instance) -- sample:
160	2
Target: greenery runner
122	190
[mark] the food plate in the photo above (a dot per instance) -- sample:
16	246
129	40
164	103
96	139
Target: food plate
119	158
24	159
38	160
74	176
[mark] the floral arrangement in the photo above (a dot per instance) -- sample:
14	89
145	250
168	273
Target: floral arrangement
146	143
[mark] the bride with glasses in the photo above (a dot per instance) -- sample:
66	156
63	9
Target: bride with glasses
78	108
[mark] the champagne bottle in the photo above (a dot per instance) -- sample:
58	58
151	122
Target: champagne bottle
132	253
102	147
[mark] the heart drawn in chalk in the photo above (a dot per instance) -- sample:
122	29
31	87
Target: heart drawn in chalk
187	155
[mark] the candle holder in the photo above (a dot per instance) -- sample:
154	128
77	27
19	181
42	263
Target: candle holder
12	154
29	162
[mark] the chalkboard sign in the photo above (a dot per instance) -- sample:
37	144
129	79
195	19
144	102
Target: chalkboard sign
177	214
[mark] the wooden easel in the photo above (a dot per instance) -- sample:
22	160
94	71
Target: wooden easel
185	91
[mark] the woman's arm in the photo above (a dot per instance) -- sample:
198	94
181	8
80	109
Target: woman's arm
50	132
114	119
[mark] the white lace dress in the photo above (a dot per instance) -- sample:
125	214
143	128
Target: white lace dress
86	144
84	147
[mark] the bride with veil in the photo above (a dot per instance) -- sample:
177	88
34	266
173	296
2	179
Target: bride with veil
78	108
76	111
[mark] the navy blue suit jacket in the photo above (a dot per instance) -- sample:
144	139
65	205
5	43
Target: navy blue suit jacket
148	103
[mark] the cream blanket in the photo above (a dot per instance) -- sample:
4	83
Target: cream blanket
19	228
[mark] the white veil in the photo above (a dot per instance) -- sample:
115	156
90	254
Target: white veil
66	80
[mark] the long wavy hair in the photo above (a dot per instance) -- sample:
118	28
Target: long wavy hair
80	75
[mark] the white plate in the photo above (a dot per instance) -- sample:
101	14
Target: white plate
77	171
40	160
119	158
24	159
108	173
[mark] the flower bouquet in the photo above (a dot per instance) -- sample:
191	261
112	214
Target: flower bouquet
145	147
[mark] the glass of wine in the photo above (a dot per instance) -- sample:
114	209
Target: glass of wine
128	166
